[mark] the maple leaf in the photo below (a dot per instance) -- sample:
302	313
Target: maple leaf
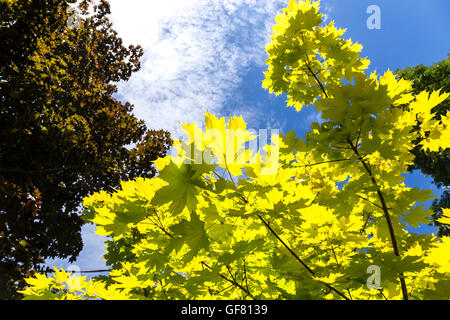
192	233
184	182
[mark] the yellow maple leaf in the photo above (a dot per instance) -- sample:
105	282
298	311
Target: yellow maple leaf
445	218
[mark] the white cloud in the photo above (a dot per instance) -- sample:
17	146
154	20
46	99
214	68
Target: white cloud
326	9
314	116
195	54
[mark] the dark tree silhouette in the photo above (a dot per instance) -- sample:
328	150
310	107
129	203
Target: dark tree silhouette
436	164
62	133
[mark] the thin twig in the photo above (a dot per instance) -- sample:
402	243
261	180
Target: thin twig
365	223
324	162
230	281
245	277
161	227
335	257
225	289
365	199
359	134
344	148
307	63
381	291
300	260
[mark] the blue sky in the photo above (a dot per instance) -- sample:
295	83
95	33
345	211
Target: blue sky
209	55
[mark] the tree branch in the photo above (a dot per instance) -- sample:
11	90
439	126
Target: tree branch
365	223
307	63
162	229
381	291
300	260
324	162
373	203
386	213
317	80
245	277
230	281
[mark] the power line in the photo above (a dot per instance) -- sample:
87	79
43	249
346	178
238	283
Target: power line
91	271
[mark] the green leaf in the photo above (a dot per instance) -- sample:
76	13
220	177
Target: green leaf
418	215
191	233
184	184
240	250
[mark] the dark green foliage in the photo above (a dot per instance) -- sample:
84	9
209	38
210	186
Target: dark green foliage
443	202
436	164
62	133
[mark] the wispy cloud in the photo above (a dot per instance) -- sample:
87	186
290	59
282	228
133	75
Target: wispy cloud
313	116
196	53
326	10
